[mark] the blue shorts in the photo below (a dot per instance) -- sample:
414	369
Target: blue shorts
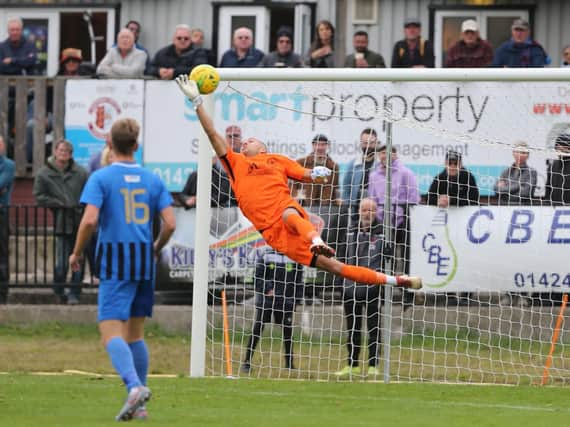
123	299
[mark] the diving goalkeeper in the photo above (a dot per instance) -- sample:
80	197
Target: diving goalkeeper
259	181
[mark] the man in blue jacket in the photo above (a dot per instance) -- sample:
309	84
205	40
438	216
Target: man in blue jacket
17	56
520	50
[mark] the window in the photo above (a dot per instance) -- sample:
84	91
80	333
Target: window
364	11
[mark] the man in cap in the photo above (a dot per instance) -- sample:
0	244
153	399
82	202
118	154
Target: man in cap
517	183
454	186
283	56
362	56
558	173
413	51
471	51
520	50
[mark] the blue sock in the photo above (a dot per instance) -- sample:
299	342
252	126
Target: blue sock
122	360
140	358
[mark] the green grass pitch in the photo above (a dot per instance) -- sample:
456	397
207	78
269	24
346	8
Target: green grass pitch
70	400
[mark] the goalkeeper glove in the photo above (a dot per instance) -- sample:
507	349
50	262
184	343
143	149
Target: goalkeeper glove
320	174
189	88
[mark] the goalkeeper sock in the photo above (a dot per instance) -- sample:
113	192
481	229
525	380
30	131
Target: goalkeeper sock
301	226
140	358
122	360
365	275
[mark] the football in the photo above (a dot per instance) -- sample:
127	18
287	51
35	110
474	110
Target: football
206	77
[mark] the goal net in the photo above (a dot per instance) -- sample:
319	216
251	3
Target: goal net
462	181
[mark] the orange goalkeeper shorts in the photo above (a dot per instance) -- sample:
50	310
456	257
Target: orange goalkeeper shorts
289	242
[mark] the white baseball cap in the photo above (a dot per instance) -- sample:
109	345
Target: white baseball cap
469	25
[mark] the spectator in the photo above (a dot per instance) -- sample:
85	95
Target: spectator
7	170
17	56
454	186
318	194
321	53
277	280
243	53
471	51
177	58
517	183
566	56
197	37
404	192
221	190
124	60
100	158
520	50
135	28
558	174
70	64
355	183
58	186
362	57
283	56
364	248
413	51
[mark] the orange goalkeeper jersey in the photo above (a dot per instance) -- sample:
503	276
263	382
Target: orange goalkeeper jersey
260	185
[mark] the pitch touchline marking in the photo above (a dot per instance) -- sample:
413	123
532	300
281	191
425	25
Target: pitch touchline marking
438	403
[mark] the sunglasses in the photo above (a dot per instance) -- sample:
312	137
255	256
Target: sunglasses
183	38
287	41
233	135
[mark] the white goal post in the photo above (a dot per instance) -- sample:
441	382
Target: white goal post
459	328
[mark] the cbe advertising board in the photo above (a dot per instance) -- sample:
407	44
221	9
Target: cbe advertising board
518	248
91	108
480	119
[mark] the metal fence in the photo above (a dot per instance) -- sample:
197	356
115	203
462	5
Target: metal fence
35	244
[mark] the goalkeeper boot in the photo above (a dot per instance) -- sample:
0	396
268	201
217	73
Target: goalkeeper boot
411	282
321	248
137	397
245	367
348	372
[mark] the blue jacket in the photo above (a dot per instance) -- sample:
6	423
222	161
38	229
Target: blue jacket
253	57
527	54
352	192
23	56
7	170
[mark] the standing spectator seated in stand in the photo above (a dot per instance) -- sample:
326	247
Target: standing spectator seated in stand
221	195
321	52
135	28
566	56
558	174
17	55
180	57
517	183
365	248
471	51
454	186
362	56
413	51
521	50
71	64
124	60
277	281
58	186
283	56
7	171
197	38
243	53
312	195
356	178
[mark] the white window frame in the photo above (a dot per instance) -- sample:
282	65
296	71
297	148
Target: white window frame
261	14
